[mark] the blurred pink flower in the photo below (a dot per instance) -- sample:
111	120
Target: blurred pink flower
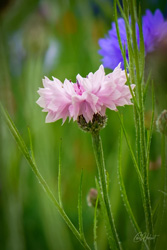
86	97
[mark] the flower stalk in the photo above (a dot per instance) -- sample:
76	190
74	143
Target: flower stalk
164	171
98	151
136	56
143	148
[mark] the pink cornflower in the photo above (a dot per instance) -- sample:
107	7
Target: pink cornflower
88	96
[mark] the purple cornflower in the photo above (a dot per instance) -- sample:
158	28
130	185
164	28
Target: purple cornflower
154	31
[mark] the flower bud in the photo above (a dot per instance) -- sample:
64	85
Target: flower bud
154	165
162	122
98	122
92	197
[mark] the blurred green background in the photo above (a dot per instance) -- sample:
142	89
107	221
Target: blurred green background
60	39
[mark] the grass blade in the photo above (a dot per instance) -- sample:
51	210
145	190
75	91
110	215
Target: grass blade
80	220
131	151
124	16
39	177
141	43
110	237
123	190
31	147
59	174
124	194
146	86
151	129
95	224
118	34
164	174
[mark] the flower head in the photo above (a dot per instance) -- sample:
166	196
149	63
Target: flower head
154	30
88	96
110	49
162	122
92	197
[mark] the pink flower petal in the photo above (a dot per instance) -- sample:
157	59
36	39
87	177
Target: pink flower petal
90	95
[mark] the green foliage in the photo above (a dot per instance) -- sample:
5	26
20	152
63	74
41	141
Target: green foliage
28	220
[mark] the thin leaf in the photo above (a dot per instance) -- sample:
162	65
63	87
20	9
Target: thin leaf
123	51
151	129
59	175
31	147
110	237
95	224
80	220
131	151
146	86
134	38
39	177
124	16
123	190
141	43
124	194
150	132
118	33
164	174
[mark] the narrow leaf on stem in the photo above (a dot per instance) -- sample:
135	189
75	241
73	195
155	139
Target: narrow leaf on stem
39	177
80	220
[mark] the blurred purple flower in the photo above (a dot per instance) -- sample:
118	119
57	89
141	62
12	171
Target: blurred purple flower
154	31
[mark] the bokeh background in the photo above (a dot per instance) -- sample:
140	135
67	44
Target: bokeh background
60	39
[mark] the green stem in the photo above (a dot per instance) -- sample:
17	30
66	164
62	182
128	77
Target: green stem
164	172
59	208
140	92
59	175
148	214
95	224
39	177
123	190
97	146
163	157
124	195
147	201
132	154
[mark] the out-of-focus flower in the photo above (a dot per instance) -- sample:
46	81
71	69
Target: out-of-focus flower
110	49
88	96
51	55
162	122
154	30
92	197
154	165
156	63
